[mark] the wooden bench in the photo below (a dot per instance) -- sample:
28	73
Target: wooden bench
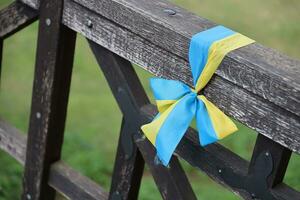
255	85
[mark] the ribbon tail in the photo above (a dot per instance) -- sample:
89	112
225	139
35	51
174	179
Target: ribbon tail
222	124
207	134
151	129
167	130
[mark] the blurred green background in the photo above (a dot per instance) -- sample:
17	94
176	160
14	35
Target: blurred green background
93	120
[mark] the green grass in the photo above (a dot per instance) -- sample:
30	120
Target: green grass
93	120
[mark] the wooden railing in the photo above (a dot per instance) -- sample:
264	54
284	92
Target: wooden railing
255	85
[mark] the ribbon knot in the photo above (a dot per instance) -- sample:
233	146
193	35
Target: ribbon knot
178	104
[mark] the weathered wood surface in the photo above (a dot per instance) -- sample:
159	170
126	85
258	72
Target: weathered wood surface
32	3
52	78
128	167
280	156
255	68
15	17
73	185
258	86
261	70
62	177
12	141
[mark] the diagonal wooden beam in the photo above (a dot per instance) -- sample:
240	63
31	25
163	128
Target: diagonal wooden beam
130	96
128	167
15	17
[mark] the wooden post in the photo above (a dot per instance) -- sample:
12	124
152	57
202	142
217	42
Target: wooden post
54	60
280	157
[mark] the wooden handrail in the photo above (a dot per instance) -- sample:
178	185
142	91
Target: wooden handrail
252	82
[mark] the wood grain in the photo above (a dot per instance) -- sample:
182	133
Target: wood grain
73	185
255	67
12	141
130	96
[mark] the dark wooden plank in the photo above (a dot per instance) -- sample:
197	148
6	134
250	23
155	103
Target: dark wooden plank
130	96
73	185
266	170
280	156
171	181
12	141
282	191
281	125
15	17
128	167
32	3
123	81
52	79
255	68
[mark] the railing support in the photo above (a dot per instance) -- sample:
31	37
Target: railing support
53	68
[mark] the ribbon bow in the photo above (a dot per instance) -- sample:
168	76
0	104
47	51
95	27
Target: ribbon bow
179	104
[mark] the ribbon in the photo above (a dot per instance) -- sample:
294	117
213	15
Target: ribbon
178	104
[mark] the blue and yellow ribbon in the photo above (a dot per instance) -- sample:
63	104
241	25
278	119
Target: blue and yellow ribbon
178	104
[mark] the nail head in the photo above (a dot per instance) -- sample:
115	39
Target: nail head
89	23
28	196
170	11
267	153
48	22
38	115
